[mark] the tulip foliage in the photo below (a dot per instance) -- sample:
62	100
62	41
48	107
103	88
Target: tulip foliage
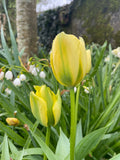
71	112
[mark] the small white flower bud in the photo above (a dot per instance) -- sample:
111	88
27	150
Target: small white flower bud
31	68
86	89
75	89
9	75
107	59
118	54
35	71
17	82
22	77
1	75
42	74
8	91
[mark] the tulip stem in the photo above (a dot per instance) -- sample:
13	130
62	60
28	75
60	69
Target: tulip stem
77	102
47	140
73	125
74	112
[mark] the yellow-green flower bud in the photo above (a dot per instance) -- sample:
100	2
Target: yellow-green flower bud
13	121
45	105
69	59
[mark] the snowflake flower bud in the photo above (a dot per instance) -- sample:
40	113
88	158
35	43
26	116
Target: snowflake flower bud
22	77
86	89
31	68
9	75
35	71
17	82
1	75
42	74
8	91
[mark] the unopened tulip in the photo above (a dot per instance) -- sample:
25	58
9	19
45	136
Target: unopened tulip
69	59
45	105
13	121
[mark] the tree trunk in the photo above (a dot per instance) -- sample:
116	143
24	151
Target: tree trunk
26	22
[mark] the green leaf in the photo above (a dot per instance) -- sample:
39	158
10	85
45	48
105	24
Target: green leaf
5	103
99	59
13	148
19	94
28	141
26	152
5	151
117	157
79	133
33	151
88	143
63	146
6	52
20	155
109	109
12	134
14	45
50	155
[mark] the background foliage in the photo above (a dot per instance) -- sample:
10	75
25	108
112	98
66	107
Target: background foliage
98	129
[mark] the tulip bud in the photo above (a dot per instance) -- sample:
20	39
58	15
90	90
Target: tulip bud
12	121
45	105
69	59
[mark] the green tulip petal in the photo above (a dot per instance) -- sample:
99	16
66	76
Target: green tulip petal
39	108
57	108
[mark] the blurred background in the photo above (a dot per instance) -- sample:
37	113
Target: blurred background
94	20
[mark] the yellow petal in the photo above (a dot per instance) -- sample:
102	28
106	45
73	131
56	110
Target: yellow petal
82	61
65	58
88	67
57	108
39	108
47	95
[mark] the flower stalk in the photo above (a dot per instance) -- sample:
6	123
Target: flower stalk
73	125
74	112
47	140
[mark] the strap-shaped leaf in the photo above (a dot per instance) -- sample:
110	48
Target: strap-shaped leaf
5	151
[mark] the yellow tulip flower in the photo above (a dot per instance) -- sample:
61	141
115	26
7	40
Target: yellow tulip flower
69	59
45	105
13	121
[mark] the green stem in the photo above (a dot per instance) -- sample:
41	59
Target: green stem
73	125
77	102
47	140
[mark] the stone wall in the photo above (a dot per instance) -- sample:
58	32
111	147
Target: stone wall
96	21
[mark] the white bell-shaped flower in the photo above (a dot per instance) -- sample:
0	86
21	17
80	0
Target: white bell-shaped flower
9	75
1	75
42	74
8	91
17	82
22	77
